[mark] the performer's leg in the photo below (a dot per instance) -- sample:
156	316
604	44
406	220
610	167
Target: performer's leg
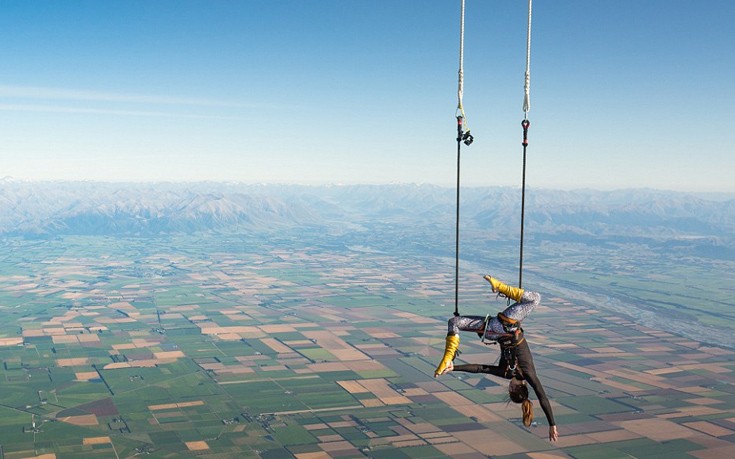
465	323
525	301
455	325
514	293
450	351
520	310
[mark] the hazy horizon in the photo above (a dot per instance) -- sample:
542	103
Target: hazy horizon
724	195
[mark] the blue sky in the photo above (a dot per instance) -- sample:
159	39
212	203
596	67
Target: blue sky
623	93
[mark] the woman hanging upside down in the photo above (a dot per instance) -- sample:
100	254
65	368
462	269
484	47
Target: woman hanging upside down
516	362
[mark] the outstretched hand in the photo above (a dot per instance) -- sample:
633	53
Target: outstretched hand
553	433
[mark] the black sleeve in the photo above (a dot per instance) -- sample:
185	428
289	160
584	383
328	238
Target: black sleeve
477	368
525	362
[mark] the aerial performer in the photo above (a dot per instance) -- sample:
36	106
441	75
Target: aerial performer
516	361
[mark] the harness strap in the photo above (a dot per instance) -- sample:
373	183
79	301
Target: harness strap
509	352
484	328
505	319
509	325
510	359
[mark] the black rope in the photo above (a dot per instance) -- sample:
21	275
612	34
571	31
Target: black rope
456	231
467	139
525	124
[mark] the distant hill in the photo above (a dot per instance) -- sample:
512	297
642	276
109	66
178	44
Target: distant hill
41	209
87	208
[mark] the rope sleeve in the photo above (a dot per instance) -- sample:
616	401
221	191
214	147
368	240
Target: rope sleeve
460	72
527	83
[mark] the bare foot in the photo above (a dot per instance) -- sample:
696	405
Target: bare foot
489	278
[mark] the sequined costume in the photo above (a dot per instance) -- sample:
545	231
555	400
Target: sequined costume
495	330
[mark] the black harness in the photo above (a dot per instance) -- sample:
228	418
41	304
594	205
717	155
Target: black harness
508	346
508	342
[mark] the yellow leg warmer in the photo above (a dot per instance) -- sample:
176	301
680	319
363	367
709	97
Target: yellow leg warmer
450	351
514	293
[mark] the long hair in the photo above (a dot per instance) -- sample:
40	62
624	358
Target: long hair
518	393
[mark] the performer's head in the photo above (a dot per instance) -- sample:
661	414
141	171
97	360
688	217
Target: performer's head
518	392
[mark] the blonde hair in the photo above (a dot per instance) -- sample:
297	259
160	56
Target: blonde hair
527	408
518	393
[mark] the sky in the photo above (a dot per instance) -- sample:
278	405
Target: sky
624	93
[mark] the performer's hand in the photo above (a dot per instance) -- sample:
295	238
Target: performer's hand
553	433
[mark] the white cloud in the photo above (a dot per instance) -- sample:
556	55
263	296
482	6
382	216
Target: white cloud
42	108
41	93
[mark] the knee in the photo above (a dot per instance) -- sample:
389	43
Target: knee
531	297
453	325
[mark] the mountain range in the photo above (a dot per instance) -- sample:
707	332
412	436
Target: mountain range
47	209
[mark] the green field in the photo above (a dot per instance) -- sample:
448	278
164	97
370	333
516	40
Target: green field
334	352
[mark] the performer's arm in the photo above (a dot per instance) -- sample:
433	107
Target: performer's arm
525	362
478	368
543	400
